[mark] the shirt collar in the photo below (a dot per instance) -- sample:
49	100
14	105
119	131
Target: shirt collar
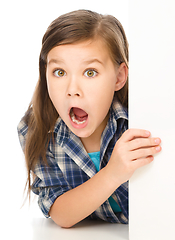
118	111
117	118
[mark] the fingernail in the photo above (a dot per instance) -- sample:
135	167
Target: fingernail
147	133
158	148
157	140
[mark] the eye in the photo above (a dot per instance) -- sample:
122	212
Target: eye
90	73
59	73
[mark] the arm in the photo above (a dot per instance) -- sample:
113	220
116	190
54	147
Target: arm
78	203
133	150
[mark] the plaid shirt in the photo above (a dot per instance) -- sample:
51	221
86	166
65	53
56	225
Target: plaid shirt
69	165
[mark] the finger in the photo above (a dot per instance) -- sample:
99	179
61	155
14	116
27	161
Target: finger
131	134
142	162
143	142
144	152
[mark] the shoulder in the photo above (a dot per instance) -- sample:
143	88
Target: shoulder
22	129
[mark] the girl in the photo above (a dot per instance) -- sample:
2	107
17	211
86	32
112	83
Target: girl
74	134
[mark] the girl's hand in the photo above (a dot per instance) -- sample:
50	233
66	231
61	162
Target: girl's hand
133	150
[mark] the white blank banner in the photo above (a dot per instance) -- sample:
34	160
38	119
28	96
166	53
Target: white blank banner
152	107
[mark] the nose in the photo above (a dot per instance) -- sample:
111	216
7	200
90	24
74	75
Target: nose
74	89
73	94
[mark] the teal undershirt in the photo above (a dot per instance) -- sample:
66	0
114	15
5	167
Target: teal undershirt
95	156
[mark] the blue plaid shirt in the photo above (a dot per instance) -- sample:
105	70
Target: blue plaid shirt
69	165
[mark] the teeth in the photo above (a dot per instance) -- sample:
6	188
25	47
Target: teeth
75	120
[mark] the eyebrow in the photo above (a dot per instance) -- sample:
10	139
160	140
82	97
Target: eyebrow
93	60
54	61
85	62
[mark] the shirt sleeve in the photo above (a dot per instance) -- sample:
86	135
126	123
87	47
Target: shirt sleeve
49	182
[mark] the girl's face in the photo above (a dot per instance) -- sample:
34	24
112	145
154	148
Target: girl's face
81	80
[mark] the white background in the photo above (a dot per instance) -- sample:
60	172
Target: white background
152	107
22	25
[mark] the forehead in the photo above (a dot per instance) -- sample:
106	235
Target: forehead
82	51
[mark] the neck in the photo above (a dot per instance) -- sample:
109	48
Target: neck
92	143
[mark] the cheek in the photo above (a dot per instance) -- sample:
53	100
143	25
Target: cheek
51	91
102	103
50	85
53	94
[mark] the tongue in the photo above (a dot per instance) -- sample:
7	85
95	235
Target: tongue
79	113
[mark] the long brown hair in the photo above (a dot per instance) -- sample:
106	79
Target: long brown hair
69	28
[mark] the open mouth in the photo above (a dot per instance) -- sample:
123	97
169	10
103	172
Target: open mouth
78	115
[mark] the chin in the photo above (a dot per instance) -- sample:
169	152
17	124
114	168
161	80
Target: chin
82	134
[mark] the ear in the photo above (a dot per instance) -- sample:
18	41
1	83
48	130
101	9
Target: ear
122	74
